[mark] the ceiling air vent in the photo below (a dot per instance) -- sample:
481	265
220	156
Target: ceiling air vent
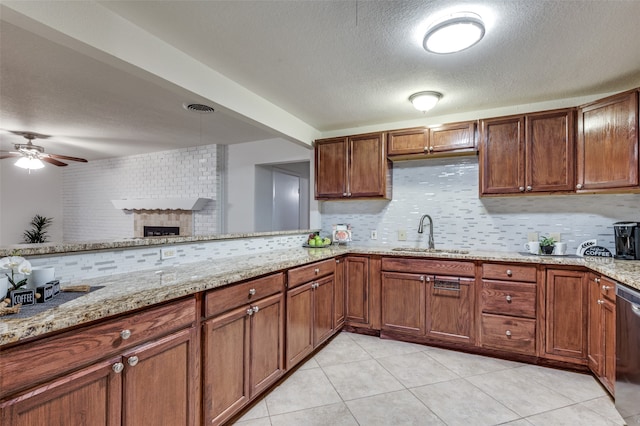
204	109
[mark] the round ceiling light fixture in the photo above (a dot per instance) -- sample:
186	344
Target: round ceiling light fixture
424	101
454	33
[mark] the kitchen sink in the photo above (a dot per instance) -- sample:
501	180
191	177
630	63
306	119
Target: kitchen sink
428	250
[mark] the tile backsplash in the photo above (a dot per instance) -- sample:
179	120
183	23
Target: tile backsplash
447	190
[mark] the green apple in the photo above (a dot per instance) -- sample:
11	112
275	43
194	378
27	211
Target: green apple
312	242
326	241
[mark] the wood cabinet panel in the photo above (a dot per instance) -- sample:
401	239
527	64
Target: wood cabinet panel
339	294
453	137
509	272
608	377
602	330
331	168
299	324
408	141
509	298
92	395
509	333
323	310
74	349
404	303
367	175
595	334
450	307
428	266
357	290
312	271
224	299
502	148
607	149
566	315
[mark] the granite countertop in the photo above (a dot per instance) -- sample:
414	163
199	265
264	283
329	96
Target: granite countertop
125	292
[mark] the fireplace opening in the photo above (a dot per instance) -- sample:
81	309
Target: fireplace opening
160	231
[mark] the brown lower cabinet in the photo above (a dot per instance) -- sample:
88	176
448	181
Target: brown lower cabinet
404	303
357	295
602	330
154	382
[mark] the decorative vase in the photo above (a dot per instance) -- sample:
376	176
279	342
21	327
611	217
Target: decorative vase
4	286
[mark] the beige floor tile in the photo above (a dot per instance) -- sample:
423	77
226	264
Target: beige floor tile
334	415
395	408
577	387
416	369
458	402
519	422
515	389
264	421
257	411
341	350
605	407
570	416
466	365
311	363
361	379
304	389
632	421
379	348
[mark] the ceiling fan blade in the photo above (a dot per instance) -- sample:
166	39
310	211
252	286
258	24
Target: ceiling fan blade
52	161
64	157
9	154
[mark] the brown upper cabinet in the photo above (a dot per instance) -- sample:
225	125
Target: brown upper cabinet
531	153
420	142
352	167
607	149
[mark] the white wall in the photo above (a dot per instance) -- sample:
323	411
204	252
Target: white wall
23	195
182	173
240	188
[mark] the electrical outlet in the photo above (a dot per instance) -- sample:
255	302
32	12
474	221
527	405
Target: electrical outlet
555	236
167	253
533	236
374	234
402	235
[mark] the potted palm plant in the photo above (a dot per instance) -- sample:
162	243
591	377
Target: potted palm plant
546	245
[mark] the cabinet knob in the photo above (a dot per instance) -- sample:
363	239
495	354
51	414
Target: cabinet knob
337	260
125	334
422	278
252	291
579	186
529	188
317	271
521	189
508	333
348	194
344	194
606	287
600	301
132	361
426	149
430	149
255	309
508	298
250	311
509	272
597	280
117	367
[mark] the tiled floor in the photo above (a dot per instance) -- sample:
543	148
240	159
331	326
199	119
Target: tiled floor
364	380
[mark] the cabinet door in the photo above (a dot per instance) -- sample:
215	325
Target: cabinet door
608	376
299	324
161	374
450	308
566	315
408	141
367	170
550	144
357	292
404	303
594	352
90	396
502	156
331	168
453	137
266	343
608	143
339	295
322	310
225	360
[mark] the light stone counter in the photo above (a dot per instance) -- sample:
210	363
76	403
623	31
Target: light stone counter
126	292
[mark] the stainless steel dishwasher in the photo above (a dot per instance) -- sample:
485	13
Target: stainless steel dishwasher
627	388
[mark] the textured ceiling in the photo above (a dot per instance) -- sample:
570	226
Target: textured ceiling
333	64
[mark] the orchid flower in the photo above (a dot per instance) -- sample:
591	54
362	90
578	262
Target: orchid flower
17	265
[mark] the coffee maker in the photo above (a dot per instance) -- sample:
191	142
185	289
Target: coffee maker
627	240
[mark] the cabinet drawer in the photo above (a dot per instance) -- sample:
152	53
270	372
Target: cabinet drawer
517	299
35	362
428	266
227	298
310	272
509	333
496	271
608	289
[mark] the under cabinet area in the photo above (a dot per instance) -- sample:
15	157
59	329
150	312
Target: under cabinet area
108	373
242	344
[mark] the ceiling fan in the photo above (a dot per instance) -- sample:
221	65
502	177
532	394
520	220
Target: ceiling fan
32	156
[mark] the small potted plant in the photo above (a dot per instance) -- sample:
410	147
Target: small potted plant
547	244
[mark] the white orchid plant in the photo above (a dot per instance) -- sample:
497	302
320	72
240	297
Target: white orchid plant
16	264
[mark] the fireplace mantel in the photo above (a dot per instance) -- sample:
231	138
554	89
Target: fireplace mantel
160	203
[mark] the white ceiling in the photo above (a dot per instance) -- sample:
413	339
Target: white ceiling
335	65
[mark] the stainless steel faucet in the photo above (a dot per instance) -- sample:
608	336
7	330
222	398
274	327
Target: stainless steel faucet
421	228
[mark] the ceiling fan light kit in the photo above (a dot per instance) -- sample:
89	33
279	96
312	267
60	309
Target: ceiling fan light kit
33	157
29	163
454	33
424	101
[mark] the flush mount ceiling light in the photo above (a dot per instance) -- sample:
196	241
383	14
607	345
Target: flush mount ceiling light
454	33
424	101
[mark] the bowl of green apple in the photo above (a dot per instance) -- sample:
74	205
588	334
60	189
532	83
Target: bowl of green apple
316	241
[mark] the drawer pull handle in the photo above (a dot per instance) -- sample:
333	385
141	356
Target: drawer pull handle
449	285
250	311
508	298
125	334
252	291
508	333
600	301
255	309
117	367
133	361
317	271
509	272
606	287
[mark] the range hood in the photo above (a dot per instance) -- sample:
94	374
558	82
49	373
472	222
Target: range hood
160	203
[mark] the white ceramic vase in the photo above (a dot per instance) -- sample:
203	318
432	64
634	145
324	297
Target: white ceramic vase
4	285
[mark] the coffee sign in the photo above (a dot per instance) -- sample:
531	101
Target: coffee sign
22	297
